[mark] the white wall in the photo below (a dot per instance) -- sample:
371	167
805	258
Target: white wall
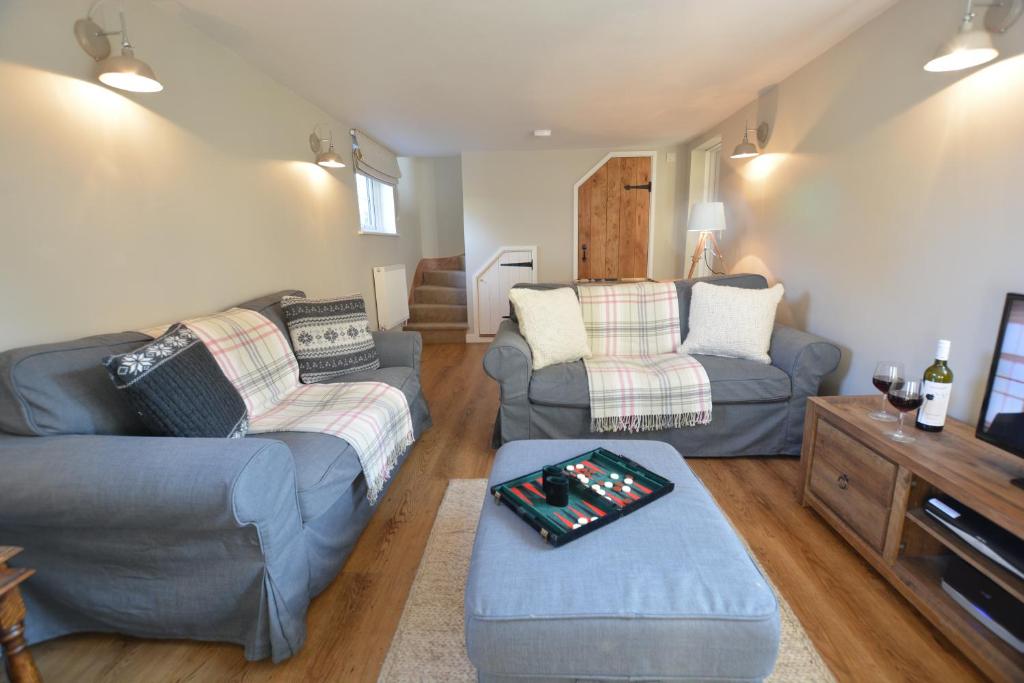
430	201
526	198
123	211
890	199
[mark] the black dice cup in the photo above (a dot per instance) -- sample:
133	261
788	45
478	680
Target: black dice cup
556	487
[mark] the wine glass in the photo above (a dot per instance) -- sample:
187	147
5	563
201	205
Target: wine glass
905	395
886	372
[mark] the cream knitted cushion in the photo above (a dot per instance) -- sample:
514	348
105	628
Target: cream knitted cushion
731	321
552	323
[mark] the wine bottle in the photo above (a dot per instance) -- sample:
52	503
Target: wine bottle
938	384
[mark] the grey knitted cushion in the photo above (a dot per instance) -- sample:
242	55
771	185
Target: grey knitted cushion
177	388
331	337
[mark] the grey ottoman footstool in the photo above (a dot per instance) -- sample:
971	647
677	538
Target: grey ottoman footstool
667	593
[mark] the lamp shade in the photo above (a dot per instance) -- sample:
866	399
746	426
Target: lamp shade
744	150
126	72
706	216
968	48
330	159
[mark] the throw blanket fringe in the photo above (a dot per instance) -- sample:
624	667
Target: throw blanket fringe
649	423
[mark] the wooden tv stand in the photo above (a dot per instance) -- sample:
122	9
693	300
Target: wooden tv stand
871	490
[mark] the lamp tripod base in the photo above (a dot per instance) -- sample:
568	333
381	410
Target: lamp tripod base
698	251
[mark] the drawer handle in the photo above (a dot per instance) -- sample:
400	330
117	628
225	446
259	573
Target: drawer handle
843	481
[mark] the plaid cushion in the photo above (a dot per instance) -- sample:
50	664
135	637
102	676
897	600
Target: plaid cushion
639	394
372	416
253	353
331	337
631	319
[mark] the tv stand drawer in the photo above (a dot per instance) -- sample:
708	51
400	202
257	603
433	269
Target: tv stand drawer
855	482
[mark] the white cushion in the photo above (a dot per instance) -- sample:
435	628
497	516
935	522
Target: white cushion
732	321
552	324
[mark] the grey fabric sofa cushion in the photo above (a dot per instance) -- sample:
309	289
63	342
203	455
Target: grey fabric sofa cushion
63	388
270	307
733	380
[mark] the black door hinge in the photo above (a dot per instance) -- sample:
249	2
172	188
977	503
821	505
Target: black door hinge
647	187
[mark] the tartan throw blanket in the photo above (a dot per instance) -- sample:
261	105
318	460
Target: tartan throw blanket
373	417
638	382
631	319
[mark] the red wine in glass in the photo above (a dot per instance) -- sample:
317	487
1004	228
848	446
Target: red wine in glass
882	384
886	372
905	395
904	404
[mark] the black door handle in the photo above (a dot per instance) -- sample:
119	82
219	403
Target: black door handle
584	247
518	264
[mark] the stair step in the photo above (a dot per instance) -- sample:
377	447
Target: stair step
445	278
437	313
440	333
432	294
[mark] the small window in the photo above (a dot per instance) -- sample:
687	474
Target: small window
376	206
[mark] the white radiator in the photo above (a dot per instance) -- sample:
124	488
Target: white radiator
392	294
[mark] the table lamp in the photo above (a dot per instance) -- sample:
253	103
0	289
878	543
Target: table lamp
705	217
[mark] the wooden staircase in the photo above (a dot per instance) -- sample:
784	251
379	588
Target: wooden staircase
437	302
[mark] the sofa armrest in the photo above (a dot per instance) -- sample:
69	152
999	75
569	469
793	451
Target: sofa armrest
509	361
509	357
399	349
134	482
806	358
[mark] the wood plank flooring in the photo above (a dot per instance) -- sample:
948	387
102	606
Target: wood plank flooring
862	627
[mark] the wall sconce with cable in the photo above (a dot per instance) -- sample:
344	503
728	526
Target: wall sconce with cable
124	71
972	46
747	149
329	158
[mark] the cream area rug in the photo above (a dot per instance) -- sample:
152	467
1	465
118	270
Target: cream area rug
429	646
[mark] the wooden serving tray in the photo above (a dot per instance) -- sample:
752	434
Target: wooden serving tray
632	487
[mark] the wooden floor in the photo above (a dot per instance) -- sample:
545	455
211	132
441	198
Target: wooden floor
863	628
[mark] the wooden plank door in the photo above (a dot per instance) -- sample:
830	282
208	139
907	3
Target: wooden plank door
613	221
492	287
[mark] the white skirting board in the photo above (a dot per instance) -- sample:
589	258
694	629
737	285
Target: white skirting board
392	294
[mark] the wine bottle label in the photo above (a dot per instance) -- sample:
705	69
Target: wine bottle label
936	402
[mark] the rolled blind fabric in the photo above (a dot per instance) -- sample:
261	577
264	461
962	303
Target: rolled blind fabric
374	159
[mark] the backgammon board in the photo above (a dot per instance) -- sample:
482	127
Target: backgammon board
603	487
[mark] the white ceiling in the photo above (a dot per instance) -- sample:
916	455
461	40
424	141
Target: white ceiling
436	77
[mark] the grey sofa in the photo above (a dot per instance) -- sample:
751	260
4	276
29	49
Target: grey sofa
757	409
208	539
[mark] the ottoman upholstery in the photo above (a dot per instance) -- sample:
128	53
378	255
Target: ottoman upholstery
666	593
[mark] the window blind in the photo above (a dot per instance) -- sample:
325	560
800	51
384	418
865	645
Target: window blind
371	158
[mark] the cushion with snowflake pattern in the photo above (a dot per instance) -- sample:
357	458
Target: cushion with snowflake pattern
331	337
177	388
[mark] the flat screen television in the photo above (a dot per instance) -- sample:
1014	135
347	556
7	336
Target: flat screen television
1001	422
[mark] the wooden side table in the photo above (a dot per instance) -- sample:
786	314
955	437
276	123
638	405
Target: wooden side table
20	666
871	490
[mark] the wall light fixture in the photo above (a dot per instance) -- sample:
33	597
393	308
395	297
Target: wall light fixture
747	149
972	46
330	158
124	71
